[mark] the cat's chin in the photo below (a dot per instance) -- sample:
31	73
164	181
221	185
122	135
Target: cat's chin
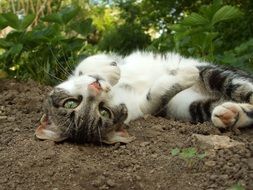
49	131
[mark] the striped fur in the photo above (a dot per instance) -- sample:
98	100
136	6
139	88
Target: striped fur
166	85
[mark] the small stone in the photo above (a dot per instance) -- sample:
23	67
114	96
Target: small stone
215	141
250	163
110	183
152	171
97	182
143	144
11	119
138	178
116	146
158	127
103	187
3	117
16	129
210	163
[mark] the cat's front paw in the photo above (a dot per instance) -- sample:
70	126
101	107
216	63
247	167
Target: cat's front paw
234	115
226	115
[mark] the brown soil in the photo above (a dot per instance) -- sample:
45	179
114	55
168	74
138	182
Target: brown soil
147	163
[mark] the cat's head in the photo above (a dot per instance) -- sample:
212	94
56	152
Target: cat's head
80	108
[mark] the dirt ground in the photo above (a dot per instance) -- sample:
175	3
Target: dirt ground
150	162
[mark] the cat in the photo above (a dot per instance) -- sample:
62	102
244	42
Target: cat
107	91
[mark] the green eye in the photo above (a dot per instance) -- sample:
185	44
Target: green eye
104	112
70	104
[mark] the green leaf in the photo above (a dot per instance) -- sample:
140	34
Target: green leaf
188	153
195	19
237	187
69	13
201	156
83	27
3	22
15	50
5	44
42	35
175	151
226	12
54	17
12	20
27	20
209	10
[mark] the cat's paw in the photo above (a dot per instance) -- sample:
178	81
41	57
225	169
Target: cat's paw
225	115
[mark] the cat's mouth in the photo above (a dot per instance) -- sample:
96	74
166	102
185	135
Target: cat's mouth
47	130
95	86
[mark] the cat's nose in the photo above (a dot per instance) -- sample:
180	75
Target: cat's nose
97	77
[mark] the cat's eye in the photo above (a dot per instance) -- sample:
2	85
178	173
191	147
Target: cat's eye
70	104
104	112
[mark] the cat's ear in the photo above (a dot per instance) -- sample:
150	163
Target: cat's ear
118	136
48	130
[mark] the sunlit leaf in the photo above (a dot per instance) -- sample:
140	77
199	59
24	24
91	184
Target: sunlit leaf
3	22
83	27
226	12
209	10
27	20
54	17
195	19
69	13
12	20
3	74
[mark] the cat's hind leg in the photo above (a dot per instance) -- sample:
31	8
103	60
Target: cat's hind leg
165	88
232	115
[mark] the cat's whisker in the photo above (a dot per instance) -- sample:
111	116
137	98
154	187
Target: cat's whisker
66	61
100	137
53	76
59	63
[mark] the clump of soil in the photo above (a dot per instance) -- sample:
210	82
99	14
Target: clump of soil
146	163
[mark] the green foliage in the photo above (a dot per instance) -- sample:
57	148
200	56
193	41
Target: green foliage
46	48
47	51
237	187
196	33
64	16
187	153
124	39
241	56
12	20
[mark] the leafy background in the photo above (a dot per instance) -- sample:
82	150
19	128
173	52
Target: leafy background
44	39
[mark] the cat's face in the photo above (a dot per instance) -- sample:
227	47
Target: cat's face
79	109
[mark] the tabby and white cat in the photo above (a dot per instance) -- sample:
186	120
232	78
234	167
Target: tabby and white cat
106	91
